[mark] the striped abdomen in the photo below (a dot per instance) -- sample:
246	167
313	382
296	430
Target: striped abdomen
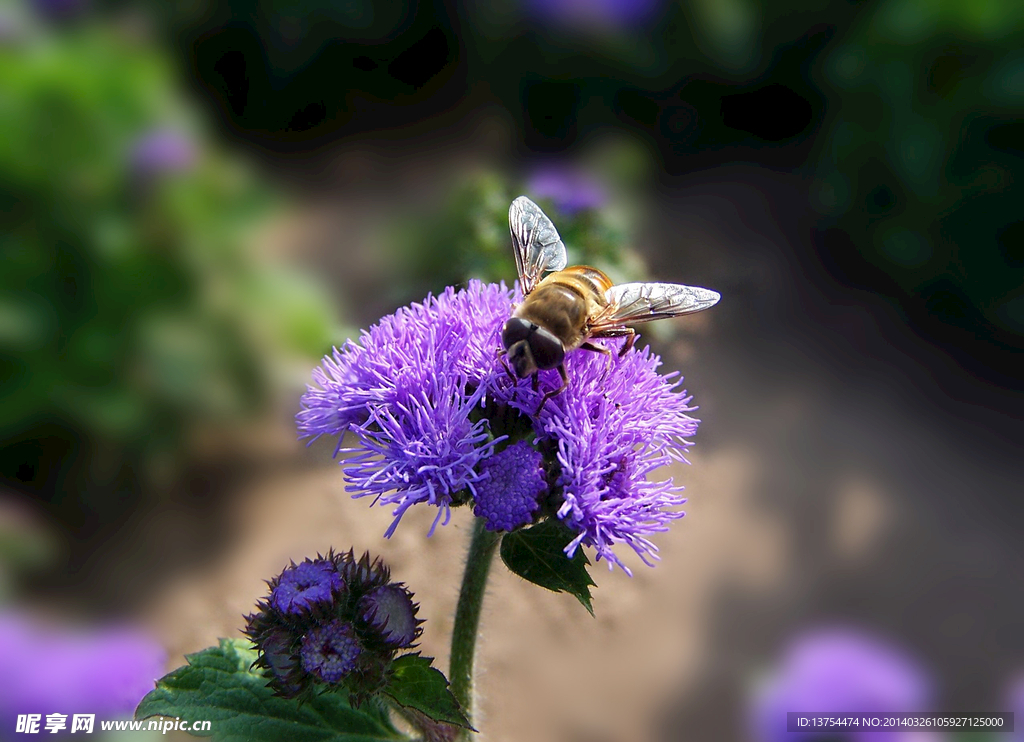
564	301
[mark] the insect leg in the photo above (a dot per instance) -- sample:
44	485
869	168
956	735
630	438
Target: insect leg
630	339
617	332
596	348
556	392
504	363
604	351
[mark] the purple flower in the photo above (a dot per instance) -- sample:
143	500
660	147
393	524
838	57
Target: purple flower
840	670
407	390
571	191
427	398
45	670
389	610
160	152
514	481
612	431
303	585
330	651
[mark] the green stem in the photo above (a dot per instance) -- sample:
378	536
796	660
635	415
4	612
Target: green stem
467	614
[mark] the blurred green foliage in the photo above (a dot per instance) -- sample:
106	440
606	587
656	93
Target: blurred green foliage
468	237
27	548
133	308
922	159
906	116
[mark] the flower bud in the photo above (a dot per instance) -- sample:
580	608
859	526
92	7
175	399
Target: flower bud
330	652
513	483
332	621
390	613
302	586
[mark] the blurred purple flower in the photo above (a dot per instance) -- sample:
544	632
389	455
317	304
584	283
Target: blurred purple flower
840	670
45	670
60	10
589	13
160	152
427	399
1015	704
571	191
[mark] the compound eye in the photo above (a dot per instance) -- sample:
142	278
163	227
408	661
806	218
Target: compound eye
515	329
548	351
521	358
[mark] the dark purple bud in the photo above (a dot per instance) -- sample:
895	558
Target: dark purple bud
390	612
362	575
330	652
304	585
279	658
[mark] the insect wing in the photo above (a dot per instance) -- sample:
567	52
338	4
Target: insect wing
643	302
536	243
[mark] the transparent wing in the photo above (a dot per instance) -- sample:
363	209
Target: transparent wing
642	302
536	243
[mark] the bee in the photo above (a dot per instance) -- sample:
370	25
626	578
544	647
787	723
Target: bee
569	307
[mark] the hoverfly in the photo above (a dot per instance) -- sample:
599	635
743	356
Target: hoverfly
572	306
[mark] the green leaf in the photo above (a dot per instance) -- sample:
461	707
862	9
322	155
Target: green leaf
416	685
536	554
219	685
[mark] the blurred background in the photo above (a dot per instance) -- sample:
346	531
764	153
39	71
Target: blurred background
200	198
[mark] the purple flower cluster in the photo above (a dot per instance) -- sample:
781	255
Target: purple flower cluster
428	400
509	495
332	619
407	390
612	432
840	670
